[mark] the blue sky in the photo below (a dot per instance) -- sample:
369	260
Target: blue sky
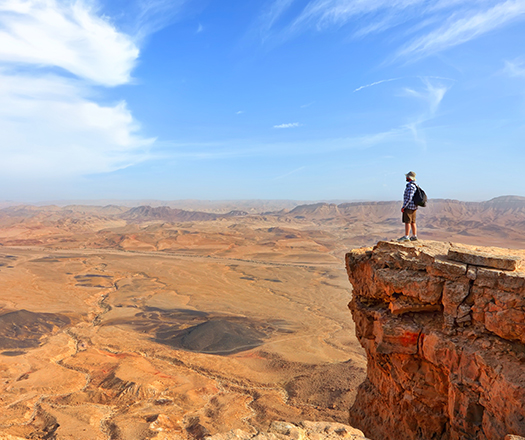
261	99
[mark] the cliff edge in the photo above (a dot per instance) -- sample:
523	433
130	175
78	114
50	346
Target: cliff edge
443	326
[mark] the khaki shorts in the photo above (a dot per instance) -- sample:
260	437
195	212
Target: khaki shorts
409	216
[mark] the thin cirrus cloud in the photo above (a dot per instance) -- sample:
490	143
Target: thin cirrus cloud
431	94
290	125
375	84
515	68
145	17
460	30
429	26
430	91
54	55
271	15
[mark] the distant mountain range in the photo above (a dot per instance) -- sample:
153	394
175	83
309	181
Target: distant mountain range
499	221
437	210
504	216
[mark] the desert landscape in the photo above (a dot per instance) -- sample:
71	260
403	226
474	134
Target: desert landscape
185	320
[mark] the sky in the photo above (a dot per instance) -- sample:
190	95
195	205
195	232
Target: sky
261	99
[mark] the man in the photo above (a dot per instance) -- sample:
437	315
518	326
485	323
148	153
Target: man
409	208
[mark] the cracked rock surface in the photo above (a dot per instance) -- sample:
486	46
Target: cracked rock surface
444	330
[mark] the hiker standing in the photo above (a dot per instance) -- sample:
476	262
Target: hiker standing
409	208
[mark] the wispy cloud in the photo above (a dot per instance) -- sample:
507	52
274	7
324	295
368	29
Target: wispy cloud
430	26
515	68
271	15
328	13
290	125
141	18
289	173
432	93
461	29
375	83
53	55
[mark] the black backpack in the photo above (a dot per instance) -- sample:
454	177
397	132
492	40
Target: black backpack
420	198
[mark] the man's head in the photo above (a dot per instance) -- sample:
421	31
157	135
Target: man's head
411	175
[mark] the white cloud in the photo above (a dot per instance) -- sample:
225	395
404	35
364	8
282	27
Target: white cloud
515	68
459	30
66	35
157	14
53	54
327	13
375	83
48	129
430	25
431	94
272	15
290	125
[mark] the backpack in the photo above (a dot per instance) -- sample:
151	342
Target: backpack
420	198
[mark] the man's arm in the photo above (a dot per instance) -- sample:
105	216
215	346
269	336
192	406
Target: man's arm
409	193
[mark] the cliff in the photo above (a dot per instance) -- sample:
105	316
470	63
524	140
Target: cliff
444	331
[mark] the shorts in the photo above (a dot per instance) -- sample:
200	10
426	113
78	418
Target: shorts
409	216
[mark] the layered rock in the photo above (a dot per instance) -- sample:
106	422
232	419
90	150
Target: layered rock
444	331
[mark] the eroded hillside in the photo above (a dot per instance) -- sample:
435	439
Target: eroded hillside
156	322
155	329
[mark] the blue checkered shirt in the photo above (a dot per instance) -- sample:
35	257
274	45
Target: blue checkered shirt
410	190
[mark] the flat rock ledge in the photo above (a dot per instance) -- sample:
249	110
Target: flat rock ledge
484	259
443	326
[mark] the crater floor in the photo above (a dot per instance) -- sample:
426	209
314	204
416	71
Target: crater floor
123	342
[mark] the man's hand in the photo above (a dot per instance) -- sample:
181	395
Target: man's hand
402	209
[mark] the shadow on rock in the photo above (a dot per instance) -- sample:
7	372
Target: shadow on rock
217	336
24	329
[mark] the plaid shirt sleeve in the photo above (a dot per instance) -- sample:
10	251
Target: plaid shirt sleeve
409	193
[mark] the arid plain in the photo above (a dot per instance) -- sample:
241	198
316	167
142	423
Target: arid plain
170	323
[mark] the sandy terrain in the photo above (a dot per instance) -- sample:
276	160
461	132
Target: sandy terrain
136	341
162	323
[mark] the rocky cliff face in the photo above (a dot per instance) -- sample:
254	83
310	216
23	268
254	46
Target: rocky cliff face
444	331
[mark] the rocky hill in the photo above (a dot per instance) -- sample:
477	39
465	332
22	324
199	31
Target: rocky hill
164	213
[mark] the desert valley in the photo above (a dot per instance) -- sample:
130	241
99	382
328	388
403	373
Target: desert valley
186	320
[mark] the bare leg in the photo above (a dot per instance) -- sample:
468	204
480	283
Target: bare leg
407	228
414	229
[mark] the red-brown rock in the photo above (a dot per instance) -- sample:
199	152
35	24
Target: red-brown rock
445	341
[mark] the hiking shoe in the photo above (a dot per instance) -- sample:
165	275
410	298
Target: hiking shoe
413	238
404	238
